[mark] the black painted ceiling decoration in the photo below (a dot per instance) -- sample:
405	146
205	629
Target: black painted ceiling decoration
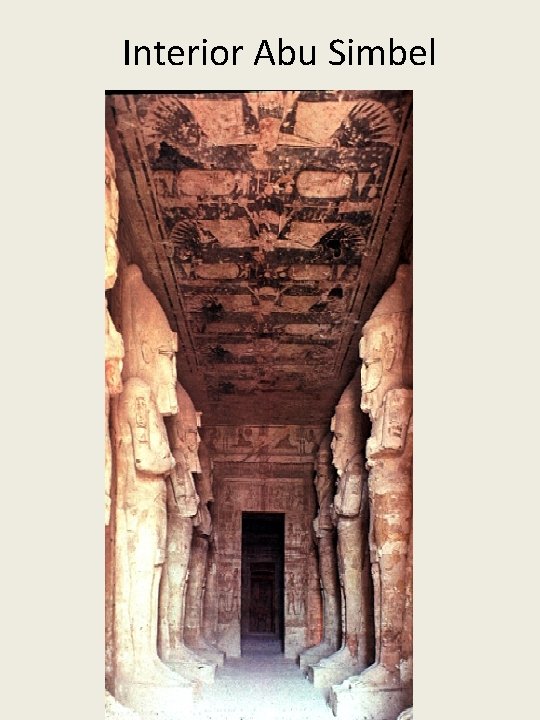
268	224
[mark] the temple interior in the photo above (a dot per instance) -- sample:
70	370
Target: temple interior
258	421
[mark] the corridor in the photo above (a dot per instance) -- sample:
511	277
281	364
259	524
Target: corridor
261	685
258	404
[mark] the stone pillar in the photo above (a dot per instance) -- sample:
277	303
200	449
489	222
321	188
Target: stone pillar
182	507
385	688
114	353
143	460
197	565
351	514
328	573
114	347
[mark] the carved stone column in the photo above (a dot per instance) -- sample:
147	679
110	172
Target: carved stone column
143	459
351	513
328	572
114	346
198	563
182	507
385	688
114	354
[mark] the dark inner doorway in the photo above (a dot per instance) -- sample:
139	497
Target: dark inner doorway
262	612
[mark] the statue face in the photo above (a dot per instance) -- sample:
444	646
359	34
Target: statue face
185	430
111	261
322	472
113	375
166	380
371	354
193	441
150	343
322	477
339	443
386	344
379	371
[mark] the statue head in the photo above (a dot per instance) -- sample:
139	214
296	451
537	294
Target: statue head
149	341
184	430
324	485
323	467
111	217
203	483
386	344
114	354
183	488
346	426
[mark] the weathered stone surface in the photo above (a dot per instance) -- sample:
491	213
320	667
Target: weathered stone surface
143	459
351	513
182	507
406	714
114	347
272	232
114	354
314	602
369	703
111	216
211	597
193	630
268	225
328	572
386	351
116	711
268	470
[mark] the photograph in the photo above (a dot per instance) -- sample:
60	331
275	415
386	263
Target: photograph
259	405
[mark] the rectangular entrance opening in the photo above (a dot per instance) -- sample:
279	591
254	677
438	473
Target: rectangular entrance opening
262	598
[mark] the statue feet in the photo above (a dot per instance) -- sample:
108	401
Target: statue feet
324	648
340	657
191	666
154	672
205	650
335	668
376	676
314	654
182	654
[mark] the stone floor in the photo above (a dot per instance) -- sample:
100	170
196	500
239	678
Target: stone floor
261	685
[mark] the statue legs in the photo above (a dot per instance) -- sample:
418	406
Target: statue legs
384	689
390	541
194	602
355	652
331	603
172	604
145	541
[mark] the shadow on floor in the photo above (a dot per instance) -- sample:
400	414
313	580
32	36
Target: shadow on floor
261	645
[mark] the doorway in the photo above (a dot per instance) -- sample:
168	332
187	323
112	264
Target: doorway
262	597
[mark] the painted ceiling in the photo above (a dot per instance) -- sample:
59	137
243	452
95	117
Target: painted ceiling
268	224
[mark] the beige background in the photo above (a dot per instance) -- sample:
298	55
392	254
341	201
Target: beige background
476	239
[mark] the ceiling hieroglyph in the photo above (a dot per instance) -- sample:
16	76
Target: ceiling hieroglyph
268	224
